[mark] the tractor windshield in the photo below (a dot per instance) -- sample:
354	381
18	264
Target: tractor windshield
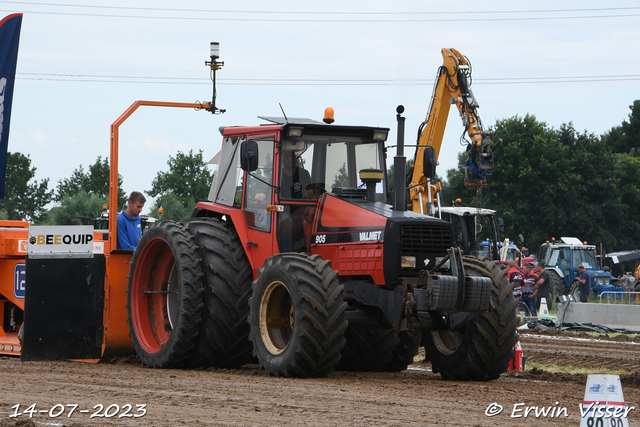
585	257
316	164
566	257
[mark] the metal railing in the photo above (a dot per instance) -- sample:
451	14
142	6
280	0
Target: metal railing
619	297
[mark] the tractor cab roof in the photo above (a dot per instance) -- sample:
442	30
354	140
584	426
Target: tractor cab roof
462	211
308	125
572	242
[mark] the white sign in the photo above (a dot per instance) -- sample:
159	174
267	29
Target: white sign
60	239
604	403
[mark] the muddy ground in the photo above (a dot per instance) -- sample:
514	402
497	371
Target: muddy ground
247	397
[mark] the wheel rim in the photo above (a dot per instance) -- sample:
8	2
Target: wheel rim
154	296
447	342
276	317
173	297
576	294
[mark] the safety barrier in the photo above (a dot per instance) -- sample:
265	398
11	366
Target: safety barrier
619	297
612	315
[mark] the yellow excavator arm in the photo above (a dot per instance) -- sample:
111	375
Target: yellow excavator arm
452	86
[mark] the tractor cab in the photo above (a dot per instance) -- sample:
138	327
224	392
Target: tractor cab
289	166
561	260
476	230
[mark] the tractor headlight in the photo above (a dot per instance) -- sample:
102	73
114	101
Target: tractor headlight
408	262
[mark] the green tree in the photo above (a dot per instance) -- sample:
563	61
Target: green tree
185	184
25	199
626	137
172	208
94	181
78	208
342	177
552	183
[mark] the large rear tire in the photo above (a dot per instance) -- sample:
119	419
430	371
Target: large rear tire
223	340
482	348
297	316
557	287
164	298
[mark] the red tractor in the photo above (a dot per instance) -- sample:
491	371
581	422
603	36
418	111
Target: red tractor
297	261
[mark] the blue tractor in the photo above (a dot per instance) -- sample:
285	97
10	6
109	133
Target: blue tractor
561	260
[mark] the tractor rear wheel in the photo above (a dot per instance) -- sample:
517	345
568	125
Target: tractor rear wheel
297	316
164	298
481	349
223	340
557	287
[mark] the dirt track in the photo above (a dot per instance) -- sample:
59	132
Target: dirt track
248	397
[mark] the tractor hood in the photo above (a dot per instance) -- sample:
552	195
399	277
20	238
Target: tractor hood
350	223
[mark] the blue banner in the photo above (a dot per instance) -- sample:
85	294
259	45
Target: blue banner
9	40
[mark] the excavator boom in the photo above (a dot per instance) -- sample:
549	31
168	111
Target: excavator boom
452	86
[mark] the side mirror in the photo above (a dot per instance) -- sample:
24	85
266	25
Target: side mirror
500	225
429	162
249	155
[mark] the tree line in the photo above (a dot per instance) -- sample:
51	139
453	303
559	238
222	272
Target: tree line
561	182
546	183
84	194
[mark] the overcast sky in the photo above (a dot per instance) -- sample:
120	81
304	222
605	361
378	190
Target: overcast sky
81	64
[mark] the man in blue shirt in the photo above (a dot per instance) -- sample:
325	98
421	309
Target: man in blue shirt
129	230
585	284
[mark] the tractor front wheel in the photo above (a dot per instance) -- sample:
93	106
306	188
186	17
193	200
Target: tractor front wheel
481	349
297	316
404	353
164	298
368	348
376	350
575	291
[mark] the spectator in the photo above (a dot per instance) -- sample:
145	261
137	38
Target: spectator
585	284
515	278
543	286
129	227
623	281
529	279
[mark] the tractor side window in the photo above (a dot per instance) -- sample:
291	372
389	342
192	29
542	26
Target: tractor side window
258	194
228	178
543	254
564	258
